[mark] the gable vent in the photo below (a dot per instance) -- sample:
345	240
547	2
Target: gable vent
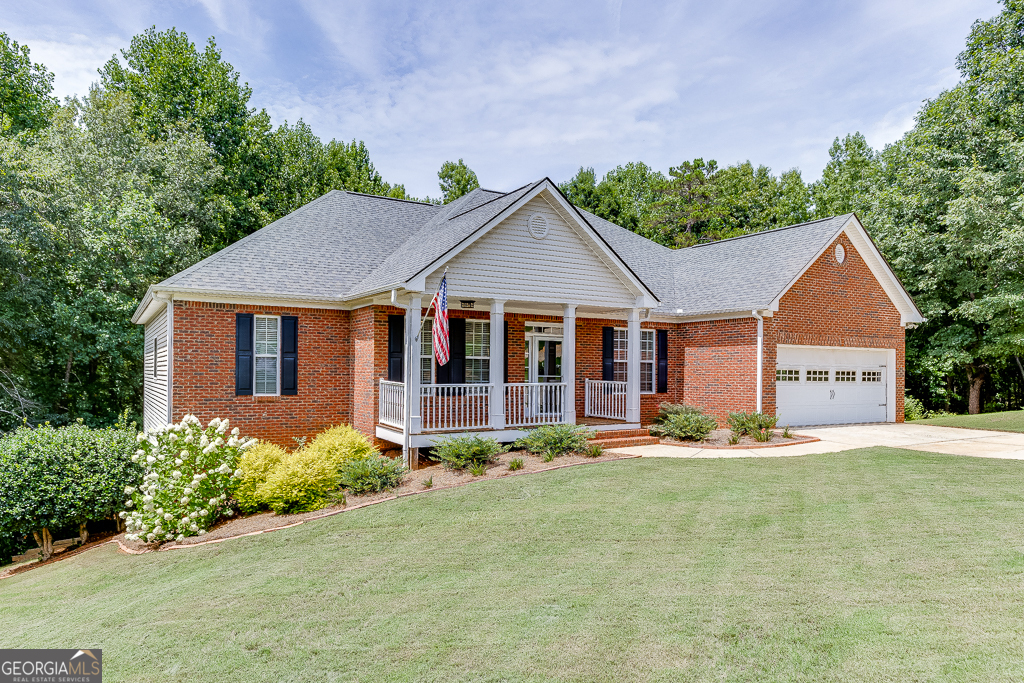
538	226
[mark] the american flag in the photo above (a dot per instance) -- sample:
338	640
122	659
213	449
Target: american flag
440	329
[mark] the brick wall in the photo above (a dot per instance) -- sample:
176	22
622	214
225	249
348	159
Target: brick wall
204	372
719	366
835	304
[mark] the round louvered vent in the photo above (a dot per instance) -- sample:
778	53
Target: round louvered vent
840	254
538	226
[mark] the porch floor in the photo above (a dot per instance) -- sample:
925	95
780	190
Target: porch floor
597	421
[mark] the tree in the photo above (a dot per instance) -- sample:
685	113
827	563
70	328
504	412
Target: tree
171	84
456	180
847	178
687	205
25	100
92	212
602	199
946	208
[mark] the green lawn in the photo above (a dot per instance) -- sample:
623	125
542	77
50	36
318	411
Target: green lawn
868	565
1008	421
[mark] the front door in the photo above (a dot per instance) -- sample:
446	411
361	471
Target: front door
544	366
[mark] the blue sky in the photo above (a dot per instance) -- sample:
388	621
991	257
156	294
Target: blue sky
532	89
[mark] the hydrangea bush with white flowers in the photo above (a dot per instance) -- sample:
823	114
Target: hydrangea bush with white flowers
189	470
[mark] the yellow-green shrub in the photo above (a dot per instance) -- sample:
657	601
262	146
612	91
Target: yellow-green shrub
340	445
256	464
300	482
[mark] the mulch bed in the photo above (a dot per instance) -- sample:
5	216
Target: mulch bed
414	483
719	438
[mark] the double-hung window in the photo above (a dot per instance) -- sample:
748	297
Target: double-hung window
478	351
648	358
268	337
647	361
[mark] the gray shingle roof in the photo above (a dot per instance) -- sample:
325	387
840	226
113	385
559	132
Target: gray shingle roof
347	244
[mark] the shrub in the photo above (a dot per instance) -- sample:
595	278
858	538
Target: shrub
666	410
734	439
594	450
339	445
556	440
13	544
685	426
459	452
751	423
477	469
515	464
763	435
913	409
52	478
372	474
428	482
189	471
256	463
787	433
300	482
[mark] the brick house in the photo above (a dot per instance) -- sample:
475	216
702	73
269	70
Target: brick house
556	315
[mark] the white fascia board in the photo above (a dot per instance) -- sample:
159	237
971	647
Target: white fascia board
417	283
725	315
247	298
876	263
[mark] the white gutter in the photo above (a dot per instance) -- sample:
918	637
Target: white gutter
760	356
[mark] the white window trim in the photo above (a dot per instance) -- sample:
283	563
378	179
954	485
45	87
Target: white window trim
486	349
653	363
277	364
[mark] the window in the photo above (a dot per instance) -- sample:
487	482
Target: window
817	375
478	352
787	375
871	376
621	350
267	342
846	375
648	358
427	352
647	362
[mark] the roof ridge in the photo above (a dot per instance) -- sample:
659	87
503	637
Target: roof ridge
764	232
492	199
381	196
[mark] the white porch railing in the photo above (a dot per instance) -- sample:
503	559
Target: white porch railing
392	403
605	399
535	403
445	407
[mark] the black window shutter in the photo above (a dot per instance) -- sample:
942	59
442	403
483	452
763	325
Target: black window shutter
662	361
243	354
289	355
396	346
506	352
608	354
457	330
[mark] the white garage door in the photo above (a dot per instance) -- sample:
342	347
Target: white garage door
818	385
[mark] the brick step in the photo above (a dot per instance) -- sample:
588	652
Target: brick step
622	442
619	434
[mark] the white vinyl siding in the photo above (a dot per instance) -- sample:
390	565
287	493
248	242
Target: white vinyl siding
268	334
507	263
154	393
478	352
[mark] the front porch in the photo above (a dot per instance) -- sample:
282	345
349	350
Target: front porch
504	411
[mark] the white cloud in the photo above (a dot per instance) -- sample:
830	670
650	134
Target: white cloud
74	60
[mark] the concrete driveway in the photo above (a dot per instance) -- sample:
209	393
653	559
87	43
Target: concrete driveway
974	442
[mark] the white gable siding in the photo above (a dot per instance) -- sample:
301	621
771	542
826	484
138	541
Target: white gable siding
509	263
154	409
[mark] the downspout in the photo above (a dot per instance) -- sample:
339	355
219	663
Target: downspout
406	404
760	357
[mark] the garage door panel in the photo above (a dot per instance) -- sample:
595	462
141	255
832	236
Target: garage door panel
807	402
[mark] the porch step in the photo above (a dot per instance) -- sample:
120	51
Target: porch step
627	441
606	434
620	438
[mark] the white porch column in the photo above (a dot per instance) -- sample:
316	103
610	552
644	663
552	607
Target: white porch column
633	366
413	321
497	420
569	360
